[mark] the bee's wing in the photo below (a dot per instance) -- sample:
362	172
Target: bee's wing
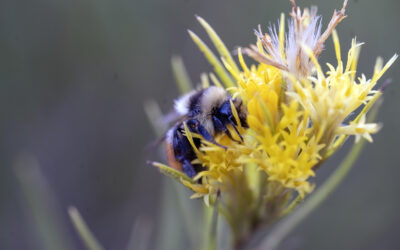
166	121
171	117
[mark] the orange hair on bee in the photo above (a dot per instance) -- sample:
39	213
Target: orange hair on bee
171	157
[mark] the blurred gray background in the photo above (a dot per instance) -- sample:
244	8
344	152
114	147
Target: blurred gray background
73	79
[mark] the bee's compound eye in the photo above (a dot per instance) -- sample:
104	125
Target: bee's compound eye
193	124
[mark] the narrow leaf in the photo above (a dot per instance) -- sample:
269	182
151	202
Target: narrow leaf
213	60
41	205
140	236
153	112
189	210
181	76
205	83
170	172
170	236
219	45
83	231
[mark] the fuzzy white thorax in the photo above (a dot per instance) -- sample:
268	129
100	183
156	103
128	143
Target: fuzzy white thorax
212	98
181	105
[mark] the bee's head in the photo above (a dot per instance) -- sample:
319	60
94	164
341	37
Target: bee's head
225	111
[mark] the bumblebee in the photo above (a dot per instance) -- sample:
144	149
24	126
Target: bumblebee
206	112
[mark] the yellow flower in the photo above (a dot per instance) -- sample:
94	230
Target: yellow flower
297	116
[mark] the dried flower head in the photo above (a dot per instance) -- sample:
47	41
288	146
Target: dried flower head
304	30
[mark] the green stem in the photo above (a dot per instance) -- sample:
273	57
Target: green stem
291	206
186	211
83	230
213	230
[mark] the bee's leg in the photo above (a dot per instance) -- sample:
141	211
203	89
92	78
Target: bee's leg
188	168
235	128
184	153
219	126
196	127
226	111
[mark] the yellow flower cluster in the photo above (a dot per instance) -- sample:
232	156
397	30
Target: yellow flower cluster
297	115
